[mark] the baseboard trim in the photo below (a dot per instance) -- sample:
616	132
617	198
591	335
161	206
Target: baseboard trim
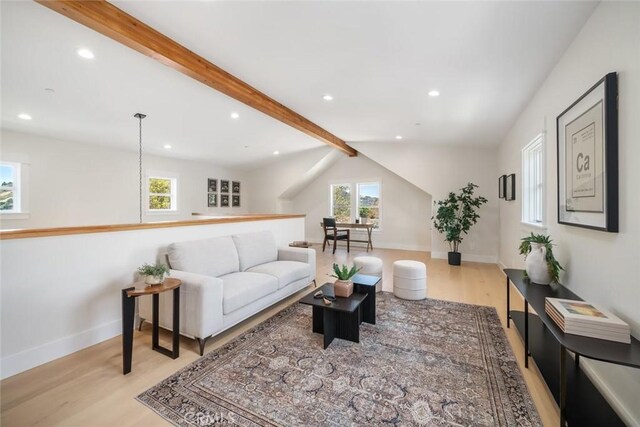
30	358
486	259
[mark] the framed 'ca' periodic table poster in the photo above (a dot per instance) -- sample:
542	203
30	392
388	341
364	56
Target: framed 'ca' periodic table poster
588	159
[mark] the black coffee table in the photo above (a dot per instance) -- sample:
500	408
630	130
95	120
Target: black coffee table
340	319
365	284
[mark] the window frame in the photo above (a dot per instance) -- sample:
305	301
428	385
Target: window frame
173	195
357	210
16	188
345	184
534	188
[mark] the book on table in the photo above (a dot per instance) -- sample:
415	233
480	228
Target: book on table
586	319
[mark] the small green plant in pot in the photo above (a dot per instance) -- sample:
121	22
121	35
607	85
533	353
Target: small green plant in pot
541	266
343	286
454	217
154	274
365	213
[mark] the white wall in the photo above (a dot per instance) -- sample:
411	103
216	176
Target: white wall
601	267
61	294
405	208
438	170
73	184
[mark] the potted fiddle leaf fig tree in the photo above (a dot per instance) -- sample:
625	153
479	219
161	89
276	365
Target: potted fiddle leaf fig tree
454	217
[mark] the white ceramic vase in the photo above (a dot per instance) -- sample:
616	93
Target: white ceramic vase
536	265
154	280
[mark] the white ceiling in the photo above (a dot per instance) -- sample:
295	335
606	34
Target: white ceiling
378	60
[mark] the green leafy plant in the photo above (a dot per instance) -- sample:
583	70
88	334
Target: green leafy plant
552	263
456	214
344	272
365	212
157	270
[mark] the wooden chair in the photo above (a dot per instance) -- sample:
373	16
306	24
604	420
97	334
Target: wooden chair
331	232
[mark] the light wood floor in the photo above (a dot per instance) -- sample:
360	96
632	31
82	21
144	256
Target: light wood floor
87	388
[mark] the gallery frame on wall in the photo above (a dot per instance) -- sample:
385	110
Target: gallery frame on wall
588	165
510	187
502	186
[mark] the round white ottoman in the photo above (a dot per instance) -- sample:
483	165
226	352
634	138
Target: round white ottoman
410	280
371	266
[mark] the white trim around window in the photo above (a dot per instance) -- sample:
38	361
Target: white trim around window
172	194
533	182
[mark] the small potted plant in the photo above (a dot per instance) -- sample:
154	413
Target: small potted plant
541	266
154	274
365	213
455	216
343	286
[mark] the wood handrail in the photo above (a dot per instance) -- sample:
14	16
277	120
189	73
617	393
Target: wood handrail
109	228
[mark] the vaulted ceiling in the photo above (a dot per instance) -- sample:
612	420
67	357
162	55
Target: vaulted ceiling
377	59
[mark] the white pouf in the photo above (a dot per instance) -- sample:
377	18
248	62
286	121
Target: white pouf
371	266
410	280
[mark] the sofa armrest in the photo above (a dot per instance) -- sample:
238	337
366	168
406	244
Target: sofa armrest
200	304
305	255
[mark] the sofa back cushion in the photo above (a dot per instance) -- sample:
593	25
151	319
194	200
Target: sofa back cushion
255	248
211	257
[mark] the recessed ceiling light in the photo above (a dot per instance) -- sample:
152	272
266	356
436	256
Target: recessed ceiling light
327	97
85	53
235	116
275	153
398	136
24	116
167	146
434	93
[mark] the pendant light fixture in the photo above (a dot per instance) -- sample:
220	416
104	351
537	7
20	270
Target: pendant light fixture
140	116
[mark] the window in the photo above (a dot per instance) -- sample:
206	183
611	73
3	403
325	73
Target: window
10	187
533	188
341	202
162	193
369	202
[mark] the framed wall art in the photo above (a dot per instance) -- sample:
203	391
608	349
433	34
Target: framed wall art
212	200
235	201
235	187
587	134
224	185
224	200
502	186
510	187
212	185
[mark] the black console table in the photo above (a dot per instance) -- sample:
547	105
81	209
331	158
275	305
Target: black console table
542	338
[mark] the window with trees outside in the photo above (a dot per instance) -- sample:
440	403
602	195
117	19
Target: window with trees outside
369	203
340	208
533	188
162	194
10	187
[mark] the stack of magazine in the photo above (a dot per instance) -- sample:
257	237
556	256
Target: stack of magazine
583	318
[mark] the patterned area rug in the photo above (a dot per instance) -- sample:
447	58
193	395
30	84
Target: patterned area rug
431	363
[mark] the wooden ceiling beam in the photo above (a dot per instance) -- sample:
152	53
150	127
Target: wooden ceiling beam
105	18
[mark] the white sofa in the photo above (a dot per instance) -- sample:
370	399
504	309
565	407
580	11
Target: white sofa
228	279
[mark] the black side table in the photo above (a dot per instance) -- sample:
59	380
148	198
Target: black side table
129	296
364	284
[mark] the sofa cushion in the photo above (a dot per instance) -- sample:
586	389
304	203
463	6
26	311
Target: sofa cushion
255	248
211	257
287	272
240	289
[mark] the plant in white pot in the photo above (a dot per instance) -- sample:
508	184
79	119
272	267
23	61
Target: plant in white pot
154	274
343	286
455	216
540	265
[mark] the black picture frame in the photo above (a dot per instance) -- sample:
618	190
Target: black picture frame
224	200
212	185
235	187
212	200
224	185
235	201
510	188
604	95
502	186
